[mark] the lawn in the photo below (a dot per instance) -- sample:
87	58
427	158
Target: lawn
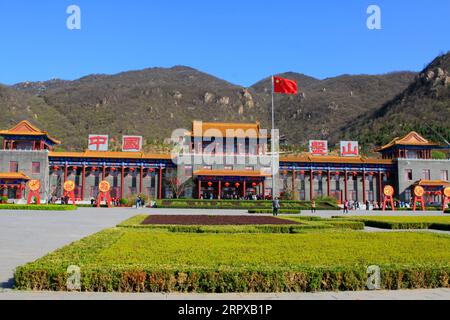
405	222
132	259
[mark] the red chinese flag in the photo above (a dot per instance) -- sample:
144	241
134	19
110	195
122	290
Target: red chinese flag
285	86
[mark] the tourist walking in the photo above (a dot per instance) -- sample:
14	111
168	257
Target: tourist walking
275	206
346	206
138	202
313	206
367	205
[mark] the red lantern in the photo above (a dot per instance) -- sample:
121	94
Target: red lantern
285	172
132	169
227	184
337	173
74	168
372	173
56	168
319	173
355	173
94	168
302	172
210	184
150	170
254	184
237	184
113	169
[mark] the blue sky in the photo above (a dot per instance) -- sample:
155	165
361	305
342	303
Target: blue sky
237	40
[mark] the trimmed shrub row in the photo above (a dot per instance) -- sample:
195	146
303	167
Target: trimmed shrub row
222	281
394	225
266	211
43	207
242	204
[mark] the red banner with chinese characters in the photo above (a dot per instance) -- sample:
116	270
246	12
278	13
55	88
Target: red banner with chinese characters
131	143
318	147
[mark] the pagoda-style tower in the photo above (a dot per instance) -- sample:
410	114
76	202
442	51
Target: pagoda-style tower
24	136
411	146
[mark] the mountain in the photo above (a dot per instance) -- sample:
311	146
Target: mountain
325	108
153	102
424	106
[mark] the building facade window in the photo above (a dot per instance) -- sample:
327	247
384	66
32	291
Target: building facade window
426	174
13	166
444	175
408	175
36	168
187	171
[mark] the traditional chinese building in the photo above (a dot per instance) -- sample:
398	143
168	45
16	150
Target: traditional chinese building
28	153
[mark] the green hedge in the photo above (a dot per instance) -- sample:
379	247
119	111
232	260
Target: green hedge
242	204
403	223
43	207
447	210
266	211
223	281
112	261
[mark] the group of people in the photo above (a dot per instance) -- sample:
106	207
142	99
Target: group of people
53	199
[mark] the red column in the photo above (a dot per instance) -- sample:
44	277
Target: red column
364	186
220	189
41	146
244	192
311	185
83	181
380	184
65	172
160	183
11	144
103	172
141	182
346	185
199	188
4	144
329	182
122	181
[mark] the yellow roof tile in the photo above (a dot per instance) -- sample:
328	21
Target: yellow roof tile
25	128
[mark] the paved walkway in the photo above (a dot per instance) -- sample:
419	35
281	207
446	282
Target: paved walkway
28	235
433	294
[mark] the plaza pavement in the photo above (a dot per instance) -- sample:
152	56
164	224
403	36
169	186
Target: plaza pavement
28	235
422	294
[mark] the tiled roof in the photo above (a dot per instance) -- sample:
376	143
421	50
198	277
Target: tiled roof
433	183
13	176
25	128
110	155
411	139
334	159
226	129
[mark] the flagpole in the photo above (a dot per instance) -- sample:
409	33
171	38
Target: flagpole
273	143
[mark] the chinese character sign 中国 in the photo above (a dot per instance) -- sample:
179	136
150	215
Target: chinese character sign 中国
131	143
318	147
349	148
98	142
